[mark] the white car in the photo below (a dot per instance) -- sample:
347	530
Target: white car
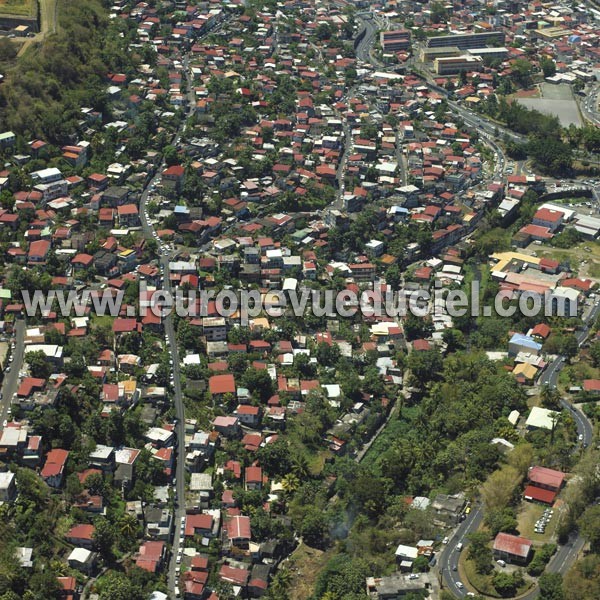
459	585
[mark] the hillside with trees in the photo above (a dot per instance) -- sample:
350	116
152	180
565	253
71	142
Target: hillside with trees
44	91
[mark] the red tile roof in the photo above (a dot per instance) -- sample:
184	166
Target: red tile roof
539	495
542	330
546	477
591	385
55	462
222	384
81	532
233	575
197	522
238	527
549	215
253	475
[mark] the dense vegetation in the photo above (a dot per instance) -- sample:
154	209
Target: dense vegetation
545	145
439	442
43	94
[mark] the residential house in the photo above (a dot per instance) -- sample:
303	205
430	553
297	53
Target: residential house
512	549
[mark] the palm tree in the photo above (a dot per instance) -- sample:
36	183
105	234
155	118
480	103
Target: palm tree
556	418
300	466
280	585
128	526
290	483
549	396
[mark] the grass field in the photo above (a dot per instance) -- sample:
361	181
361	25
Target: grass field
483	583
528	515
583	258
304	566
26	8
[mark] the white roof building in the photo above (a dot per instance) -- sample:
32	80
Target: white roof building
540	418
410	552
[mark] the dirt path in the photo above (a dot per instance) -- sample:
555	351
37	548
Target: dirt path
48	24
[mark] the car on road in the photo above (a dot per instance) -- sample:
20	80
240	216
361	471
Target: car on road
459	585
455	567
580	437
459	546
445	540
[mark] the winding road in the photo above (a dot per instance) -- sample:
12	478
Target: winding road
567	553
448	561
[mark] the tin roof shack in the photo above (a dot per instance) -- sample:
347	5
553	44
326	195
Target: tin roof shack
398	585
512	548
448	509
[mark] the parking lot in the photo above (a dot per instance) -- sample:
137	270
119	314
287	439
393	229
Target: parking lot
529	515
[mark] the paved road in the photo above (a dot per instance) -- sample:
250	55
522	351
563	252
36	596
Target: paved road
400	159
449	558
565	555
589	104
487	129
171	340
363	50
11	379
341	170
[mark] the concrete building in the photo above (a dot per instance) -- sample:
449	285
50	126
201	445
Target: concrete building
394	41
467	40
451	65
430	54
8	488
